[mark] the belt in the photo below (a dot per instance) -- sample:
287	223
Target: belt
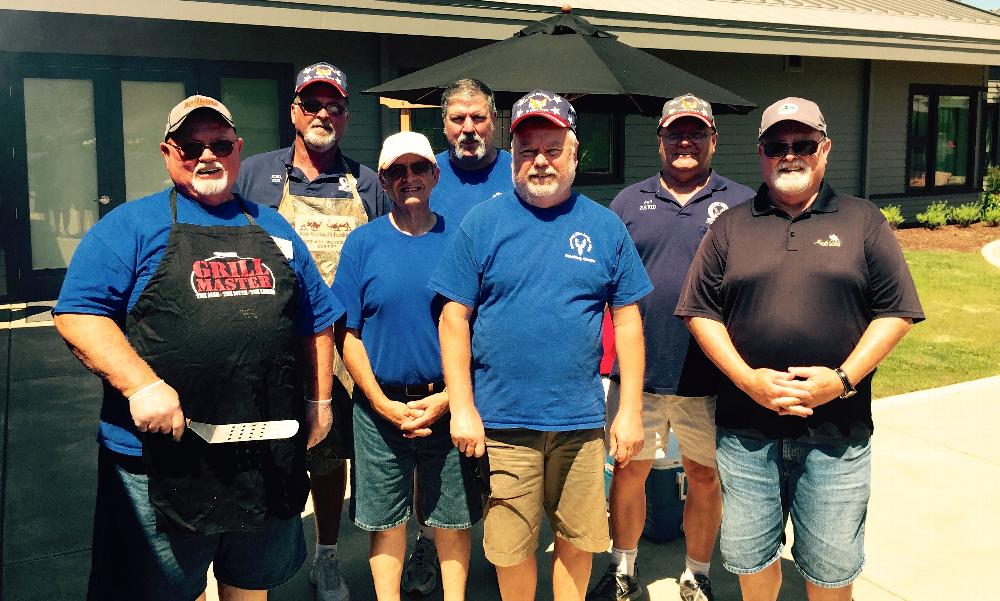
412	391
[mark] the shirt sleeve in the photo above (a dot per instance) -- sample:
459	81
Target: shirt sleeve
701	293
458	274
892	292
630	282
99	279
347	281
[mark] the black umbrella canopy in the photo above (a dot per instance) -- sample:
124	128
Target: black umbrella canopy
568	55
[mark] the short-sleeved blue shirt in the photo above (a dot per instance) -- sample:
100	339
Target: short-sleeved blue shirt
540	279
667	235
262	180
459	190
118	256
382	281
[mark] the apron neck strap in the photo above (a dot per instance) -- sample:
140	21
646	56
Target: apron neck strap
173	207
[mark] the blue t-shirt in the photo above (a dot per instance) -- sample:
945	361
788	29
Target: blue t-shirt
118	256
262	180
540	279
458	190
667	235
382	281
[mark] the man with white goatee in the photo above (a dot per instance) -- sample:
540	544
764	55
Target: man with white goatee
324	195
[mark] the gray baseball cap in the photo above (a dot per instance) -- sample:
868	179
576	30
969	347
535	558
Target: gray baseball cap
792	109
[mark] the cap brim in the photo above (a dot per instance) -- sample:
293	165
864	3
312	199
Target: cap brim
332	82
664	122
553	118
390	162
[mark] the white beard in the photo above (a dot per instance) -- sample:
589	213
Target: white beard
532	190
791	182
319	142
210	187
480	150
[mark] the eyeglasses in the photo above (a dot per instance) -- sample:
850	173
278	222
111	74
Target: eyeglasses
799	148
398	171
335	109
677	136
193	149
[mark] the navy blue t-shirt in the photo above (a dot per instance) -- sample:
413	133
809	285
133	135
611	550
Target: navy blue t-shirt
262	179
382	281
118	256
667	235
458	190
540	279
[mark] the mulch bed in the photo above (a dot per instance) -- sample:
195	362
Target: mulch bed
949	237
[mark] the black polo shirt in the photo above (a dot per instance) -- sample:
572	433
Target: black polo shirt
799	292
666	234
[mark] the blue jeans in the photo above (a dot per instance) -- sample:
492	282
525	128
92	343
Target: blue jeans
825	490
131	560
384	466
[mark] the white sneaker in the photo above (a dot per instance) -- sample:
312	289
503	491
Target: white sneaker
421	571
325	575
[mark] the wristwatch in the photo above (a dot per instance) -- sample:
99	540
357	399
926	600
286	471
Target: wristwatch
849	389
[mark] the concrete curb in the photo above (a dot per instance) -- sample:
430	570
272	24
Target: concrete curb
985	385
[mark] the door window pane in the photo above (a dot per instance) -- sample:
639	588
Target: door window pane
254	105
145	105
952	141
62	167
595	134
918	140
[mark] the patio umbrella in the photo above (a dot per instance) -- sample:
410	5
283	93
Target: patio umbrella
567	55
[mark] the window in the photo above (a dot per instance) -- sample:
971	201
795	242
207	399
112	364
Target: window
941	140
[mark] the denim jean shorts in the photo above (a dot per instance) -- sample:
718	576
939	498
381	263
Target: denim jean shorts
131	560
825	490
384	467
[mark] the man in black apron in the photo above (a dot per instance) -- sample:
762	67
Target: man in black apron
325	196
194	305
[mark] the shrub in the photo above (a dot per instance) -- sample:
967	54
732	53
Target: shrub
893	214
966	214
991	200
991	181
935	216
991	216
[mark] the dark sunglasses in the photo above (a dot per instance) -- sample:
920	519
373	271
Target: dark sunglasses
398	171
193	149
800	148
335	109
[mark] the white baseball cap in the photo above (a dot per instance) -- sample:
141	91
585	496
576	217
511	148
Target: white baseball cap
405	142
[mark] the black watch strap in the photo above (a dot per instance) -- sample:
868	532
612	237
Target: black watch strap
849	389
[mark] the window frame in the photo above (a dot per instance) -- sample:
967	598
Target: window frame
934	93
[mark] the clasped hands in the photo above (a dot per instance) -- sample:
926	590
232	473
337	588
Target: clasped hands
797	391
414	418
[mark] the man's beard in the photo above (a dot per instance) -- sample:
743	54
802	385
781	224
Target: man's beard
530	189
791	182
480	150
320	142
210	187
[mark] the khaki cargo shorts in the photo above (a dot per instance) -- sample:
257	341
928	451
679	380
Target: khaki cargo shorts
560	472
692	420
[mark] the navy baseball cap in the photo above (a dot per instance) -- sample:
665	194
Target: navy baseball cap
687	105
321	73
542	103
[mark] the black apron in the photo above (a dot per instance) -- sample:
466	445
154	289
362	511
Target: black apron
217	323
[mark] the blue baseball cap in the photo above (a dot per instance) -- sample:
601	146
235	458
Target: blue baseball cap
542	103
321	73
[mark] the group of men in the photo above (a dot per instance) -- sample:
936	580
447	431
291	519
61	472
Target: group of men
438	321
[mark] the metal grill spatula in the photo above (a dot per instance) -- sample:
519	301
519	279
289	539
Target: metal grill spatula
219	433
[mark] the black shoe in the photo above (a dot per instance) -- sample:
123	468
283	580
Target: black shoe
698	588
617	587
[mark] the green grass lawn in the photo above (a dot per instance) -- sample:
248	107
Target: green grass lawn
960	339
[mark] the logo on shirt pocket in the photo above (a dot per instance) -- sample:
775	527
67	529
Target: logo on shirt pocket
581	244
831	242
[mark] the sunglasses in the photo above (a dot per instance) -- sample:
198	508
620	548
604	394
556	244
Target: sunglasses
677	136
335	109
192	149
799	148
398	171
